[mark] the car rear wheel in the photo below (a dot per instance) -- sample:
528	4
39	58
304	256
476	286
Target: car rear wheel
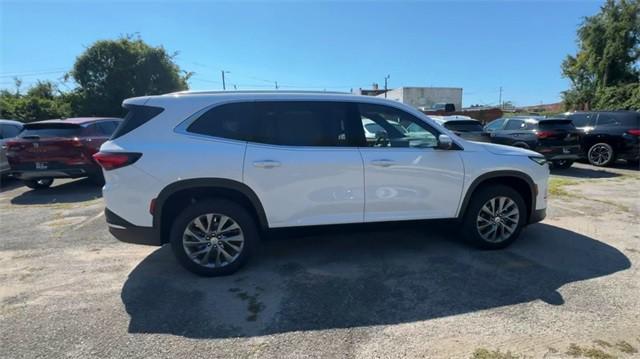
41	183
494	218
601	154
562	164
213	237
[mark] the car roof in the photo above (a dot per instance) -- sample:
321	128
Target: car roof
10	122
79	120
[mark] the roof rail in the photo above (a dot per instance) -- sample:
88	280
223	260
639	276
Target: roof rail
206	92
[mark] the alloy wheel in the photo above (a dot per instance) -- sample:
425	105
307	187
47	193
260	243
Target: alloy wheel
600	154
498	219
213	240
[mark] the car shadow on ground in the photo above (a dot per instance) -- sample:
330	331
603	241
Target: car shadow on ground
581	172
9	183
345	279
69	192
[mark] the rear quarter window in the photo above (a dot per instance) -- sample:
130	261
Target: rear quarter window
233	121
137	116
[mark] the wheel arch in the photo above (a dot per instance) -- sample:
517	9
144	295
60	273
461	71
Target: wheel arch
519	181
176	196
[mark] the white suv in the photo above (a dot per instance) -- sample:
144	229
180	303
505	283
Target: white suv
209	172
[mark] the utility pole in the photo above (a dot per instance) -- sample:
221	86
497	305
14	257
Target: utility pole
276	85
224	85
385	85
500	99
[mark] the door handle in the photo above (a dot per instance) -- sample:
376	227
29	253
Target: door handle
382	163
266	164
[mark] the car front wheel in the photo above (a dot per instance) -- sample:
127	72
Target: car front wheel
41	183
601	154
213	237
494	218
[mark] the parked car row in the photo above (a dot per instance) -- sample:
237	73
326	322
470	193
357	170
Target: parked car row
599	137
41	151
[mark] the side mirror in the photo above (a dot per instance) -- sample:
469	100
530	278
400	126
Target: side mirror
444	142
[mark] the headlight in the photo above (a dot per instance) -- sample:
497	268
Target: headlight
539	160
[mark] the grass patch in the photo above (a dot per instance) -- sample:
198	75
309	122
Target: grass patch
626	347
482	353
556	186
577	351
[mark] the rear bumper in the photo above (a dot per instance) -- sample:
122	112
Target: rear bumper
538	215
129	233
70	172
569	152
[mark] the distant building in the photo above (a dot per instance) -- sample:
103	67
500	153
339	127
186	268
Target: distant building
426	96
374	91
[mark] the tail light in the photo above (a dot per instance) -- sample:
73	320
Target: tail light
544	134
112	160
634	132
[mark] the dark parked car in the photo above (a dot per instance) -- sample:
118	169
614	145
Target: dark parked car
464	126
51	149
555	138
607	136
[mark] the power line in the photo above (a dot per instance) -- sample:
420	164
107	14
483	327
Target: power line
30	74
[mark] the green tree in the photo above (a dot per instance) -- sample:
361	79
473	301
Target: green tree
42	101
110	71
605	69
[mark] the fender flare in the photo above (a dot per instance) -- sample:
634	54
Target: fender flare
217	183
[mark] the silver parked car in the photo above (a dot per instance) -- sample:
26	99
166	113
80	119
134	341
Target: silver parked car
8	129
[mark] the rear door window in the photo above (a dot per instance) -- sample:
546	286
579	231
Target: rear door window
302	123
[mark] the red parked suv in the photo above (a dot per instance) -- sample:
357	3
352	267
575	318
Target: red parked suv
51	149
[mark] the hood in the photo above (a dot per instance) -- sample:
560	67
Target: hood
508	150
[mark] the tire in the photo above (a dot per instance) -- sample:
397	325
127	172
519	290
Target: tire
472	226
562	164
208	260
601	154
41	183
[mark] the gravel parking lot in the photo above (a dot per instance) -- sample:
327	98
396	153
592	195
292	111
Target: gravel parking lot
569	287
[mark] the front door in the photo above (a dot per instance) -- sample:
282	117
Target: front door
406	176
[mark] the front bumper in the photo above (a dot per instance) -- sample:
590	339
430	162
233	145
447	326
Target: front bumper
129	233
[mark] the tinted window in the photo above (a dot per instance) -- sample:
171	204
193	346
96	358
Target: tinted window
301	123
233	121
515	125
107	127
92	130
556	125
50	130
463	126
581	119
495	125
137	116
9	131
618	119
396	128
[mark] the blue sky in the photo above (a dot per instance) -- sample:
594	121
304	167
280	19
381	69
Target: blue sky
476	45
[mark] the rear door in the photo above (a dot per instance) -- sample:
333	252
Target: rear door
406	177
302	165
